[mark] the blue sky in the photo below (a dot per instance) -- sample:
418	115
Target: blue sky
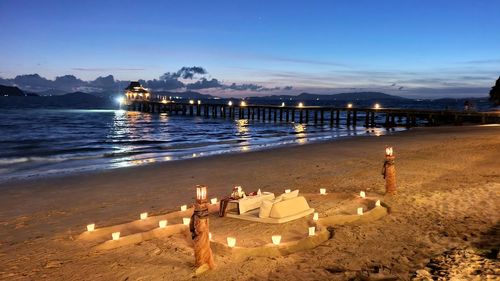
409	48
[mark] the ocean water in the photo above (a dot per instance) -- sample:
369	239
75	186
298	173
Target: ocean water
41	143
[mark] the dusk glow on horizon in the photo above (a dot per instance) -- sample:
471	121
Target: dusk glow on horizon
406	48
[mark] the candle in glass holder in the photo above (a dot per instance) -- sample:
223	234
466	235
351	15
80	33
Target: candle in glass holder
115	235
389	151
312	231
144	216
213	201
377	203
360	211
287	191
162	223
90	227
322	191
231	242
362	194
186	221
201	193
315	216
276	239
183	207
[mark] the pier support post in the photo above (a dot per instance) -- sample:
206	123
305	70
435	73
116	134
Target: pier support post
337	117
315	117
281	114
348	113
322	117
372	121
269	114
293	114
331	117
301	115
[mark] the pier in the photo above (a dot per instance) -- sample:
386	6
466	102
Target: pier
321	115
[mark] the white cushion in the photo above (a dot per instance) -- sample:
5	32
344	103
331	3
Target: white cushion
290	195
265	208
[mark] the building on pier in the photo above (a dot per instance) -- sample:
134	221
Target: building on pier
136	92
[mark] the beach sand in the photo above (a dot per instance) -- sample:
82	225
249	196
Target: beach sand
444	221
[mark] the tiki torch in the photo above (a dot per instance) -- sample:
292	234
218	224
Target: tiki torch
389	171
199	229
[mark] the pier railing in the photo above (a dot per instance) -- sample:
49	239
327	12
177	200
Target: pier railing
334	116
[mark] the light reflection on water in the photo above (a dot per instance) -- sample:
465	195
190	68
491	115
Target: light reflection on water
42	142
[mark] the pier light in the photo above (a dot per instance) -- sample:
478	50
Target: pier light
191	101
162	223
144	216
201	193
115	235
120	100
276	239
243	103
186	221
199	101
312	231
230	103
301	104
389	151
91	227
231	242
376	106
283	104
349	105
164	101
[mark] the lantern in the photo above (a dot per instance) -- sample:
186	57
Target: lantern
322	191
162	223
360	211
389	151
312	231
201	193
90	227
186	221
276	239
115	235
315	216
213	201
183	208
231	242
144	216
362	194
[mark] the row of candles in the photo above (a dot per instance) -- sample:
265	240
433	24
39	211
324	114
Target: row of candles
231	241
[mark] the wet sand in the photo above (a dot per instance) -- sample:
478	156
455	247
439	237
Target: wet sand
449	189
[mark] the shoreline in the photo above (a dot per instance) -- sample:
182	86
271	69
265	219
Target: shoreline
448	178
189	155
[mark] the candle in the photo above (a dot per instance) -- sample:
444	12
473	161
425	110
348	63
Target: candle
315	216
183	207
389	151
144	216
201	193
231	242
312	230
322	191
276	239
90	227
377	203
162	223
186	221
287	191
362	194
360	211
213	201
115	235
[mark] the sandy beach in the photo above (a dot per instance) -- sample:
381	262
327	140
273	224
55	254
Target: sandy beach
444	221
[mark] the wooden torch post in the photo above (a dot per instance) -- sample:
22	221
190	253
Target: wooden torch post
389	171
199	229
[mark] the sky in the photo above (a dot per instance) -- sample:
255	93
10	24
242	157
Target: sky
411	48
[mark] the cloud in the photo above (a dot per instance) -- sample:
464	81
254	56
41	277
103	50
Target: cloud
486	61
185	72
204	83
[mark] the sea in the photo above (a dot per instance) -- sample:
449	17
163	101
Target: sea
48	142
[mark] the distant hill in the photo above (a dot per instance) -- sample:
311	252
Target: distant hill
183	95
8	91
71	100
356	96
